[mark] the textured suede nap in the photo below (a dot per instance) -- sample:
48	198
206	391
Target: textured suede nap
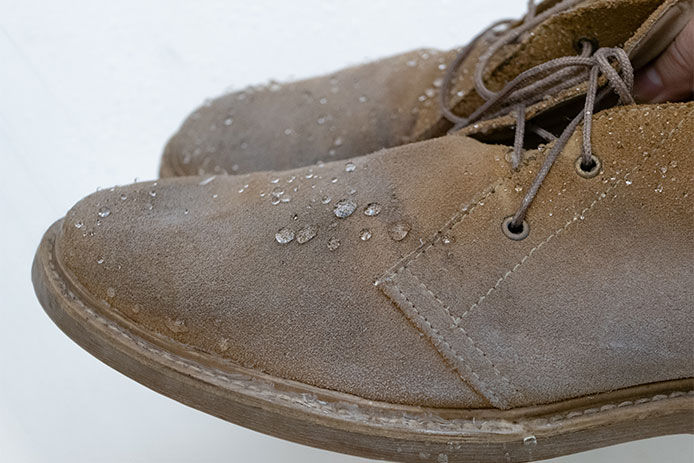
598	297
383	103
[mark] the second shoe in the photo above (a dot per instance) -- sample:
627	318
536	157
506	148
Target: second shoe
397	100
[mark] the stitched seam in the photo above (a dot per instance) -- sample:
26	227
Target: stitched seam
461	214
463	211
575	218
230	378
611	406
540	245
484	389
456	322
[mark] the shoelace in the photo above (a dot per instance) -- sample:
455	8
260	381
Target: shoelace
534	84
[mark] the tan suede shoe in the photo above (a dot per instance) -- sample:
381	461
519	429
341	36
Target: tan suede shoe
384	307
392	101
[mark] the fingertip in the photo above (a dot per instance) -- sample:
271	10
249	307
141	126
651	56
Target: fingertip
648	85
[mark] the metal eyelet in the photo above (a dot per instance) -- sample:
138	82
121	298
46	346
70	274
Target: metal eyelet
578	44
515	234
589	171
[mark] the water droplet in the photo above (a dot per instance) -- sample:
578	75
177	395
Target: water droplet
333	243
372	209
99	260
323	100
344	208
284	235
153	193
79	224
325	199
104	212
275	180
205	181
287	131
363	99
530	440
333	180
628	182
365	234
186	212
338	141
447	239
398	231
177	326
110	292
306	234
350	167
223	345
228	121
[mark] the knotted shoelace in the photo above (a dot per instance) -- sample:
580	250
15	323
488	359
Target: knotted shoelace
535	84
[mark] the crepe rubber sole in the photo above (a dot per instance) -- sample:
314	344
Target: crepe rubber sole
346	423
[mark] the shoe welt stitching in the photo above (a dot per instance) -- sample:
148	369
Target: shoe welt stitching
313	404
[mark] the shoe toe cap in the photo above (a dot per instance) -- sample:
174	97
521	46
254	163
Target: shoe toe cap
167	258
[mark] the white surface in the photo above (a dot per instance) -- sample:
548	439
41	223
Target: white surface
89	93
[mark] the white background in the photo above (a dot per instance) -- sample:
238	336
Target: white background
89	92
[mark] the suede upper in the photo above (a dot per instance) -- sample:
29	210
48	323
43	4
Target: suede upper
388	276
353	111
384	103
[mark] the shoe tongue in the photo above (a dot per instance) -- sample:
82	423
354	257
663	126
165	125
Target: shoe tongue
644	42
610	22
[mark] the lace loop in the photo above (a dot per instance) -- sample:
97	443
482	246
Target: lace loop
534	84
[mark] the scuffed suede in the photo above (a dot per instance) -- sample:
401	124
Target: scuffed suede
384	103
281	126
598	297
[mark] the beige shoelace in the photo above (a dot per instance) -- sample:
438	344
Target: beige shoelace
537	83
